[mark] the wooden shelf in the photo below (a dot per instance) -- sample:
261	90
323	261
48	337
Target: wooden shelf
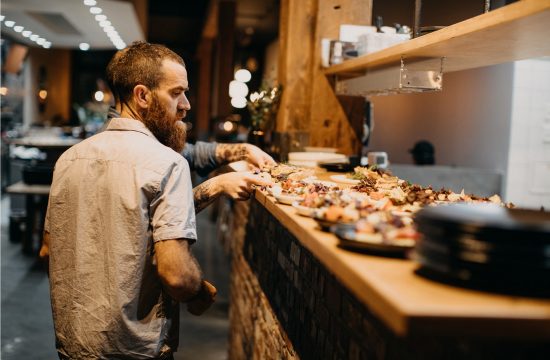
514	32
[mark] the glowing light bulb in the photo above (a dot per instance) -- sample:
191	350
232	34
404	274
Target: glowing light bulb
84	46
243	75
238	102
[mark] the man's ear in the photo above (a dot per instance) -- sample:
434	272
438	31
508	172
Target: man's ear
142	96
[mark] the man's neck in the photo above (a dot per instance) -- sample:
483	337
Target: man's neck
127	112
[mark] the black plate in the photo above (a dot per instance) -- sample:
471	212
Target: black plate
489	222
326	225
369	242
498	279
337	167
508	261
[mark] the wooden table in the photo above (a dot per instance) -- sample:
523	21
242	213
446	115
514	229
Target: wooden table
36	202
410	304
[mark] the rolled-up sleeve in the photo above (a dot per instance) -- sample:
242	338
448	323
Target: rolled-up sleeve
172	210
201	156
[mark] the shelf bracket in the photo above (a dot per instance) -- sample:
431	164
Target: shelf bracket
423	75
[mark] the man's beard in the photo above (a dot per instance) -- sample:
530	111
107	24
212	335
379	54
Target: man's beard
164	126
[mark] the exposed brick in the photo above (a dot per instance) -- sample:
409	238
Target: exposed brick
295	253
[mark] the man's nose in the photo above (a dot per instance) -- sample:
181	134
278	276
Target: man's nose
184	105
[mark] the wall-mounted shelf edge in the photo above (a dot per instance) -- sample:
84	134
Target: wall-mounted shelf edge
514	32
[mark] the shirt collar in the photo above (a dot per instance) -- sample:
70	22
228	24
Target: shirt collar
127	124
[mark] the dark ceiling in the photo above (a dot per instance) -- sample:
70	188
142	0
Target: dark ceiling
179	24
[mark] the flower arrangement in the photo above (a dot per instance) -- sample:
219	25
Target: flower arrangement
263	106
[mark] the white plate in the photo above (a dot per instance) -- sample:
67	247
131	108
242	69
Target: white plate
343	179
287	199
303	210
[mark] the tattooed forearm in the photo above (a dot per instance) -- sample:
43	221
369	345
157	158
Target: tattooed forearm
226	153
204	194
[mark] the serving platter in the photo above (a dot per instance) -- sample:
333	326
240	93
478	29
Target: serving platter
371	242
344	179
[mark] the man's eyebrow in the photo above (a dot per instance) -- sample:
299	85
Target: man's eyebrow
181	88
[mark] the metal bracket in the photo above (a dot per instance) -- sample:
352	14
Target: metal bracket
410	77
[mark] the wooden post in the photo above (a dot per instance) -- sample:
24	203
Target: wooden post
296	42
330	126
309	102
226	39
205	54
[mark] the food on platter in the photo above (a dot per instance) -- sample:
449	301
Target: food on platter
379	210
303	210
281	172
344	179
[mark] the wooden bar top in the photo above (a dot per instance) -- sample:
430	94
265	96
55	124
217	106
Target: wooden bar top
413	305
21	188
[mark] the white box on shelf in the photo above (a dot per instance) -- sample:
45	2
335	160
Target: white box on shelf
351	33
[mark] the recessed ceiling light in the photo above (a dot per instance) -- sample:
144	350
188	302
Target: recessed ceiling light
2	17
47	45
84	46
96	10
107	26
9	23
40	41
26	33
18	28
34	37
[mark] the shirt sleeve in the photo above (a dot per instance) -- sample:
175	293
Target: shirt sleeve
173	210
201	156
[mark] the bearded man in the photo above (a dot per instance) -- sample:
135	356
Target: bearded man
121	220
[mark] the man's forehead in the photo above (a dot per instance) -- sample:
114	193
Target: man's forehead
174	73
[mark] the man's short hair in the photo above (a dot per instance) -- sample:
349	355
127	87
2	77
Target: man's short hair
138	64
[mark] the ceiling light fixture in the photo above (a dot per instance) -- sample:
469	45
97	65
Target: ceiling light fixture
105	24
84	46
96	10
26	33
2	17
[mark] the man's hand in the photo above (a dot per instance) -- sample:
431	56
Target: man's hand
240	185
202	301
257	157
236	185
226	153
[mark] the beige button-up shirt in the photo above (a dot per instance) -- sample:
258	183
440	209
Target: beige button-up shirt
113	195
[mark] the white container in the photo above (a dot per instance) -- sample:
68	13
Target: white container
351	33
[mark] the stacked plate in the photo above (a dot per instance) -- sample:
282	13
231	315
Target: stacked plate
486	246
312	159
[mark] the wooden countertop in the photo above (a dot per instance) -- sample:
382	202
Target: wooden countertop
21	188
410	304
